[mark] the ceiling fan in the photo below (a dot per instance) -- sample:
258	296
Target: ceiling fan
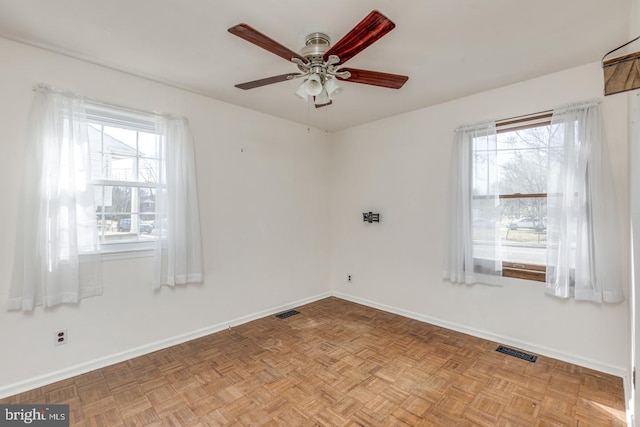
321	64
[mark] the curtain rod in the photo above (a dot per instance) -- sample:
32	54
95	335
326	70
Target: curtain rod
545	114
67	92
515	119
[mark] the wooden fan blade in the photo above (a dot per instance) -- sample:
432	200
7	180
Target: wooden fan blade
266	81
368	31
254	36
375	78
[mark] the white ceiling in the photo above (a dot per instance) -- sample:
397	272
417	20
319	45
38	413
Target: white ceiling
448	48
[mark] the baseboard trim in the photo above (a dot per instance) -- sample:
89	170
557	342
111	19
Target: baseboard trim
43	380
533	348
102	362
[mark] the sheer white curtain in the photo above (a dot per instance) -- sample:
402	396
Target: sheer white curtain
583	234
178	253
57	256
473	253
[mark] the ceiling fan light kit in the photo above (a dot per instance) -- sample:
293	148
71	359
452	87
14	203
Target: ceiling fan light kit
321	64
319	74
332	88
314	84
302	91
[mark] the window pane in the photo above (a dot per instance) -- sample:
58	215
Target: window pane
112	200
147	203
148	144
148	170
524	230
122	168
522	157
484	166
125	213
124	137
123	228
119	199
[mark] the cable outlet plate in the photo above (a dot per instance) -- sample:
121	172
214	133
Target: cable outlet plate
60	337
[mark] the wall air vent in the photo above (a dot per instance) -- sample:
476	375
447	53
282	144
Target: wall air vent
517	353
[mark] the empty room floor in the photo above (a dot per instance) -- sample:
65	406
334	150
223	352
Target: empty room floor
337	363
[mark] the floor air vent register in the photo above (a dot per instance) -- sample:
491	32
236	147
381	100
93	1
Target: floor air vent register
517	353
287	314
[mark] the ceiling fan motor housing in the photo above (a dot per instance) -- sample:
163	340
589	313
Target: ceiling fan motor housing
316	44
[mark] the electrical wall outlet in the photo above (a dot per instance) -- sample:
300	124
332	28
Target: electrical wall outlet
349	278
60	337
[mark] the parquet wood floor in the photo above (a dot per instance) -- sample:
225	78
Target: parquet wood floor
337	364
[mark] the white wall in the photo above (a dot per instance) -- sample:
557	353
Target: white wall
263	192
400	168
634	192
634	163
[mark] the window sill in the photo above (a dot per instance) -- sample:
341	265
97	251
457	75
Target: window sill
538	276
524	271
113	254
516	270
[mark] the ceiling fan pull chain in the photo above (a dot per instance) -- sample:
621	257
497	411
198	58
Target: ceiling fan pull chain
309	101
326	122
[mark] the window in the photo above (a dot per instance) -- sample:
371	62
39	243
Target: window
499	195
96	178
125	172
520	160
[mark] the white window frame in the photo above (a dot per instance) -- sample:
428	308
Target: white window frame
106	115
